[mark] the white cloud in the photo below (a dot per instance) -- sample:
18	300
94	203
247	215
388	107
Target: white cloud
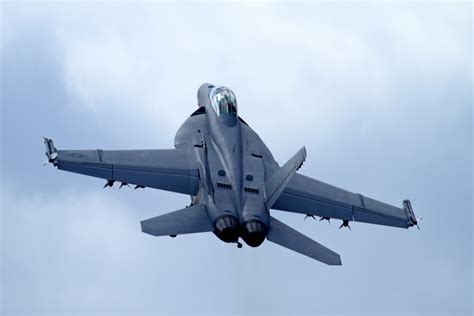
83	252
382	88
315	61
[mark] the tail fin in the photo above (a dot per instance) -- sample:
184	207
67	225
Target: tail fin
193	219
278	181
286	236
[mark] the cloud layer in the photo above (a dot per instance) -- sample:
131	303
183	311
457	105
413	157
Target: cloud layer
380	94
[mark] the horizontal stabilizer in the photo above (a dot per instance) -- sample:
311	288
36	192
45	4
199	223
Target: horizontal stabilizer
278	181
193	219
286	236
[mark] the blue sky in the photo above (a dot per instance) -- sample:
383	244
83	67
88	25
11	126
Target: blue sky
380	95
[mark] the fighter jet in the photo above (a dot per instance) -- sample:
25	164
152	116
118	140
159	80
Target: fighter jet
233	180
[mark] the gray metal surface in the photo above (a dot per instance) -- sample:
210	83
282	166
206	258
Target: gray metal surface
283	235
309	196
166	169
275	185
189	220
233	181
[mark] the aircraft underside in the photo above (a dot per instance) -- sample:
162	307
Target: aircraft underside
233	180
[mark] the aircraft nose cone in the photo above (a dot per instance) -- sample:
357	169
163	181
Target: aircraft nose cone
254	233
227	228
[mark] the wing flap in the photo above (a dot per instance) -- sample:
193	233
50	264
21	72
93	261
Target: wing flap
193	219
287	237
170	180
88	169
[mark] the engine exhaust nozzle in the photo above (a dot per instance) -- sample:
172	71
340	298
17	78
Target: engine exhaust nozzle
226	228
254	233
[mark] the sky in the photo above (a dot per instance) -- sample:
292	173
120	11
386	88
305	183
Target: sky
379	93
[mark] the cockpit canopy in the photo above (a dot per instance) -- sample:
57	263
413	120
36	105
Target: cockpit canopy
223	101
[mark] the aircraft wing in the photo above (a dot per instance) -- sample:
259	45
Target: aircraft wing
165	169
312	197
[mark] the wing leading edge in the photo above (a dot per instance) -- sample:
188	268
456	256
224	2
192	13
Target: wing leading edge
309	196
165	169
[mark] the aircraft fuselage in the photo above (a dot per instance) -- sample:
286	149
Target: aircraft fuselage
232	182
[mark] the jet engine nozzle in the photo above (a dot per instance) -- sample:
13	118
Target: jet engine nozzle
254	233
227	228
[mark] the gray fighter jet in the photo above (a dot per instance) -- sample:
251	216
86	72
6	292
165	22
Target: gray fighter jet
233	181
